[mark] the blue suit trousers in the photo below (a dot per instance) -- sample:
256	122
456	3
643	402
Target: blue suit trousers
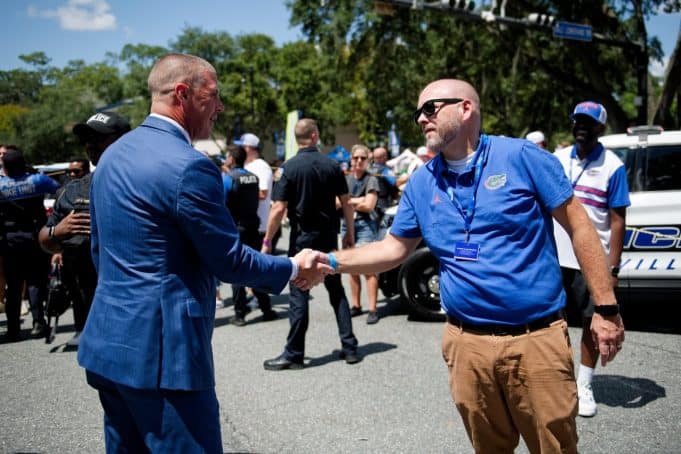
158	421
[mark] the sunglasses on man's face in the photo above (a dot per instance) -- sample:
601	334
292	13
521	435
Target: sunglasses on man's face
75	172
429	108
359	158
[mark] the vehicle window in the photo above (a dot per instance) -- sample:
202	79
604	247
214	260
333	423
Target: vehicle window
628	157
662	168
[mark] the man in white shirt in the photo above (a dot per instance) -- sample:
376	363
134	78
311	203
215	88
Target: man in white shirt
599	181
255	164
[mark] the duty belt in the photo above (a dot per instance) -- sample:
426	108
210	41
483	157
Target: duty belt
507	330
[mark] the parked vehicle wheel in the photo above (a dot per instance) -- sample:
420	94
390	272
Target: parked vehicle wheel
419	285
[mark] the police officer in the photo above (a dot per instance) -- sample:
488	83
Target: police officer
68	228
308	187
22	213
242	197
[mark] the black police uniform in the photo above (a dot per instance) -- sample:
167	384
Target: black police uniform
24	260
242	202
309	184
78	273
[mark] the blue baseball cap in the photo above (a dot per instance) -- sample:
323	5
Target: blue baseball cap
591	109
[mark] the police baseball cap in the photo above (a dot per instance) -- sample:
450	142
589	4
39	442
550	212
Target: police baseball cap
591	109
248	140
104	123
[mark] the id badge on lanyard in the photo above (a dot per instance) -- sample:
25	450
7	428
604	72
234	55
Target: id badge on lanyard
469	250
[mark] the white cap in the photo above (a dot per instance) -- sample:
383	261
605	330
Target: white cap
248	140
421	151
536	137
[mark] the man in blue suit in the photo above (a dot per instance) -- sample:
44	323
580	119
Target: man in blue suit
160	235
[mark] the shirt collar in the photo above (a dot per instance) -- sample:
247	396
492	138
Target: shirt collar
174	123
593	154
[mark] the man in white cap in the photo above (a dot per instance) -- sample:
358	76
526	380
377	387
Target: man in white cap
599	181
255	164
537	138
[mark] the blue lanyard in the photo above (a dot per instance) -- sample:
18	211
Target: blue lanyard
586	164
469	213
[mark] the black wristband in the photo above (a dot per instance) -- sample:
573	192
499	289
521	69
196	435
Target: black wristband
607	310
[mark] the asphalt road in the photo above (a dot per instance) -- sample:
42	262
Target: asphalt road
395	401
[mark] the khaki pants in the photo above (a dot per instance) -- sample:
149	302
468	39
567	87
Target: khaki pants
506	386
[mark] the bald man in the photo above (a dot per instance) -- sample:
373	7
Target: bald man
483	205
160	235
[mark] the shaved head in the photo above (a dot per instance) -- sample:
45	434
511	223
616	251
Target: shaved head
450	88
177	68
306	132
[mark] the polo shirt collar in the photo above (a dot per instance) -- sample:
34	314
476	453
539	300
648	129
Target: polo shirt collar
440	163
593	154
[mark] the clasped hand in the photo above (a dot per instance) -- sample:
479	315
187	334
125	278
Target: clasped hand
312	269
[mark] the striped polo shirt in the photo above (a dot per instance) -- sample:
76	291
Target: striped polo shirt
599	181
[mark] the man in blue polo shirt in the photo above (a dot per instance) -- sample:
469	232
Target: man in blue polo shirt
484	206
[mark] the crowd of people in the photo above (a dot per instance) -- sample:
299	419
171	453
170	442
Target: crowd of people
145	239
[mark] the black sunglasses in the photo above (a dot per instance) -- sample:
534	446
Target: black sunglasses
361	158
74	171
428	108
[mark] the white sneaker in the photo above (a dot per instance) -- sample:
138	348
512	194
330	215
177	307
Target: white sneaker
587	403
74	341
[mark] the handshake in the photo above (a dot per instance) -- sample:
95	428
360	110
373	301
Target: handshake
313	267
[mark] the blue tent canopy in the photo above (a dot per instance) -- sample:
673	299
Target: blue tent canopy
340	154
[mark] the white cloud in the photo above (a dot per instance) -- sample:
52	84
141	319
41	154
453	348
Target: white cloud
658	69
80	15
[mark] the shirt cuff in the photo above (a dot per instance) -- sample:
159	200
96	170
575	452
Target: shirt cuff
294	269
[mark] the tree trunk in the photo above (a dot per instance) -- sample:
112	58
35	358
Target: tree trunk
670	90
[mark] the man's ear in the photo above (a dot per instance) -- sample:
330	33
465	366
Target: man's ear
181	90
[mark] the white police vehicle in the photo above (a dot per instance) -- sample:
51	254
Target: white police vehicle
650	270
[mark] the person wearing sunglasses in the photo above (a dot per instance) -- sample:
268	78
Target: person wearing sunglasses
483	206
67	231
364	189
599	179
78	168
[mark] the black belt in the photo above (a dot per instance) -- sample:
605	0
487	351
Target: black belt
507	330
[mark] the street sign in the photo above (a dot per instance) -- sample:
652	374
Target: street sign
569	30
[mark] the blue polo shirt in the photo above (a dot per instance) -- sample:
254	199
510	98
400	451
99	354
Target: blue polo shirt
516	278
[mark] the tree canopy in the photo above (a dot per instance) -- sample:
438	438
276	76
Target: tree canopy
364	66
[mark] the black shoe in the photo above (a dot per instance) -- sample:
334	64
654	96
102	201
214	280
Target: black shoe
238	321
372	318
350	358
355	311
269	316
281	363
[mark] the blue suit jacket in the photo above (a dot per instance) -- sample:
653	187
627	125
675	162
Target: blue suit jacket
160	236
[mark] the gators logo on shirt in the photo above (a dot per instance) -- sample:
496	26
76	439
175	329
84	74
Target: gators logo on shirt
494	182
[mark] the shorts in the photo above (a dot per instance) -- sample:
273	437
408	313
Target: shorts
577	292
366	231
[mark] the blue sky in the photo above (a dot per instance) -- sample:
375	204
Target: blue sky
88	29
